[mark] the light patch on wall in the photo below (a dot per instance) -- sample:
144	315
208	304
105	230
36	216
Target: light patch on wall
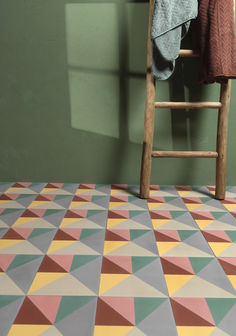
93	67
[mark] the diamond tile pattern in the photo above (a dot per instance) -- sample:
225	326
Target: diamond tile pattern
89	259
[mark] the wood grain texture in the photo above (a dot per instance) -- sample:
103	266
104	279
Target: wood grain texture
184	154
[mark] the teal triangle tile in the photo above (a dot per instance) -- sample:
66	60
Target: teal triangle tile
5	186
37	186
228	219
145	306
205	200
134	234
81	319
69	304
160	319
214	274
89	274
23	275
228	323
52	212
198	263
96	241
2	231
101	200
38	232
43	241
140	262
134	213
81	260
147	241
8	314
198	241
153	275
63	200
184	234
22	259
89	232
9	211
140	203
178	202
105	188
231	235
215	203
219	307
5	300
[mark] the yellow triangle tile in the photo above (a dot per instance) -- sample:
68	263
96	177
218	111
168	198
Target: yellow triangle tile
195	331
10	190
44	278
114	221
36	203
113	205
68	221
27	329
23	220
203	223
192	206
113	245
58	244
111	330
218	248
184	192
81	191
159	222
164	247
176	281
8	242
107	281
230	207
46	190
4	201
116	191
152	205
232	279
76	204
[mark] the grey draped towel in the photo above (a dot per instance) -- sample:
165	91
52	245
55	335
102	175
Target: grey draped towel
170	22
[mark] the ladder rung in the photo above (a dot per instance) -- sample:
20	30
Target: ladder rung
187	105
188	53
184	154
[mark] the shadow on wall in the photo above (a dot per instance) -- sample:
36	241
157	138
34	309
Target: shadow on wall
73	99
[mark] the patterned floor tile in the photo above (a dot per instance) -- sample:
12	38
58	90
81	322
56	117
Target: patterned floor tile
98	259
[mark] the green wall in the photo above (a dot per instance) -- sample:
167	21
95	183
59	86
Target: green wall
72	95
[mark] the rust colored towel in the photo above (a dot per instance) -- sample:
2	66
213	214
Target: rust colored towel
214	36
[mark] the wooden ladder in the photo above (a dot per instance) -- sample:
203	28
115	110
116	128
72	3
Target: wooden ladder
222	126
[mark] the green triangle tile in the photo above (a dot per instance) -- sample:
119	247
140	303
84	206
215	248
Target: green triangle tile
137	233
88	232
175	214
184	234
140	262
69	304
145	306
58	197
37	232
22	259
80	260
94	212
198	263
205	199
132	198
36	184
49	212
217	214
23	196
231	234
170	198
9	210
219	307
7	299
133	213
97	197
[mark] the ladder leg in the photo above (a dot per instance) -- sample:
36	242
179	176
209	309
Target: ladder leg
149	119
222	140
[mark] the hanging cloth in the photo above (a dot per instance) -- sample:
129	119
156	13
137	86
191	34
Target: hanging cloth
170	23
214	36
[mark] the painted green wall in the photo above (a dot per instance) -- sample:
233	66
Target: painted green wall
72	95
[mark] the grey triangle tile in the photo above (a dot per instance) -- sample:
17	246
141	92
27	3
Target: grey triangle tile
144	219
8	315
100	218
95	241
147	241
89	274
24	275
55	218
161	319
70	187
26	201
198	241
214	273
82	319
153	275
5	185
43	241
11	217
228	324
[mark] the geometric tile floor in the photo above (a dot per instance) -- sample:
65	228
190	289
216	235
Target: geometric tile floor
83	259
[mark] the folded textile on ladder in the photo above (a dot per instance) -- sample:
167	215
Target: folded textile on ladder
214	36
170	23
